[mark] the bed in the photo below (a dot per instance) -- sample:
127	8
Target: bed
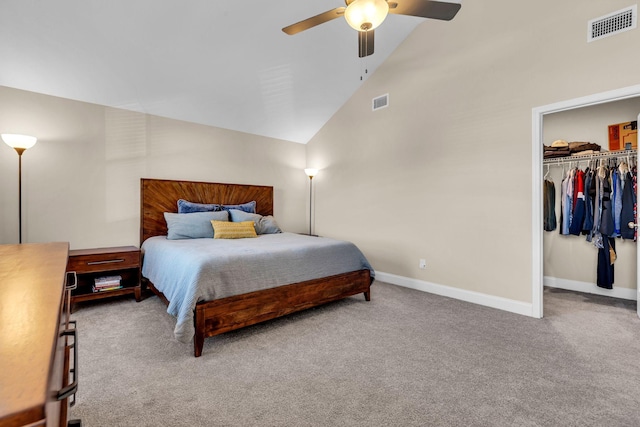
209	297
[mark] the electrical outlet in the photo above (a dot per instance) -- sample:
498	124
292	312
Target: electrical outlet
423	264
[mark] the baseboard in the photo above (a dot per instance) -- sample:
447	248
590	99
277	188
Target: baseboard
500	303
590	288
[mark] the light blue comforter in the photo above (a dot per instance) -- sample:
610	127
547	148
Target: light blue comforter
192	270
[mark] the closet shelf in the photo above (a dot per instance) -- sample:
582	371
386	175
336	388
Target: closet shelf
603	155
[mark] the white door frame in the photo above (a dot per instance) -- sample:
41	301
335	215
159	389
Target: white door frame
538	114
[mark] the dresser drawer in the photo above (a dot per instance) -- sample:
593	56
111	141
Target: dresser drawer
105	261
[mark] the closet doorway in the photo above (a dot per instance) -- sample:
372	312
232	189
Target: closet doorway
582	119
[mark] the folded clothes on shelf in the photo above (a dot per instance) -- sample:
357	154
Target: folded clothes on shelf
549	154
578	146
562	148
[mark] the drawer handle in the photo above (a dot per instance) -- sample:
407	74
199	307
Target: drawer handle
72	388
108	261
71	281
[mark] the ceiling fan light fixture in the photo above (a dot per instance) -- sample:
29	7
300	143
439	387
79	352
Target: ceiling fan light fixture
365	15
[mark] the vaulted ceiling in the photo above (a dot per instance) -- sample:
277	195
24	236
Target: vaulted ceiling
224	64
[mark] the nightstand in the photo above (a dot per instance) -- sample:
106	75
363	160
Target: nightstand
92	264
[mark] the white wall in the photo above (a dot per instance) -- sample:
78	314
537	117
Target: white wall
81	181
444	173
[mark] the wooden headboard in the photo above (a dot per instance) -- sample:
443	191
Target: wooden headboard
158	196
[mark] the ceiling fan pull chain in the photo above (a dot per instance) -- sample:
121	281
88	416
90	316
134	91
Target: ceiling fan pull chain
366	49
361	69
363	55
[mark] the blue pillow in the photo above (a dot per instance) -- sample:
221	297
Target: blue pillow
195	225
237	215
263	224
268	225
185	206
249	207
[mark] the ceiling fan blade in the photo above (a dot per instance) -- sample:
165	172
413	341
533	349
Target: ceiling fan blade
365	43
426	9
314	20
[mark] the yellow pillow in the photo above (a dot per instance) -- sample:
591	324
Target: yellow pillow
233	230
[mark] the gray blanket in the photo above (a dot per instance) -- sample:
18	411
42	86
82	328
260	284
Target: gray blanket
193	270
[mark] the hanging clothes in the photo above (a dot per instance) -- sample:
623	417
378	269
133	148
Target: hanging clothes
616	200
606	258
599	203
607	226
577	219
595	205
549	190
596	190
587	225
566	203
627	214
570	193
635	205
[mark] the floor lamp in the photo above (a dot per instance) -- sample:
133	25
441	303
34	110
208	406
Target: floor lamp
19	143
310	173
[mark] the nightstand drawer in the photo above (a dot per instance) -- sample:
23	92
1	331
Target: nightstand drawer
105	261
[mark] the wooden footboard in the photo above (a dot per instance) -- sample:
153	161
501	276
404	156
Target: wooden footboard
227	314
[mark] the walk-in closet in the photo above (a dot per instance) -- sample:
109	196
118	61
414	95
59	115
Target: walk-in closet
577	259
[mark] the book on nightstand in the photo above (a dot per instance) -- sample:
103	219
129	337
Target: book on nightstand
108	283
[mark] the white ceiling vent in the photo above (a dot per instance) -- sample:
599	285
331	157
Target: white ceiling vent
617	22
380	102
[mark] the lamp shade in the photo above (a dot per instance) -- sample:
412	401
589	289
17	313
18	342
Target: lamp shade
364	15
311	172
19	141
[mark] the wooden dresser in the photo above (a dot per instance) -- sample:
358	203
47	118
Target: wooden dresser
36	338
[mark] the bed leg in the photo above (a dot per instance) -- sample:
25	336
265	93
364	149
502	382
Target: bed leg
198	343
367	295
198	338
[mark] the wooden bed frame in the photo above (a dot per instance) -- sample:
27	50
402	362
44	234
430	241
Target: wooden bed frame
219	316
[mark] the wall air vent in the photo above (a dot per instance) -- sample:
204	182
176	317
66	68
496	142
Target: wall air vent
617	22
380	102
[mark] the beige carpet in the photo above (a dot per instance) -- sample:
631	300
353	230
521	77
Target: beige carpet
406	358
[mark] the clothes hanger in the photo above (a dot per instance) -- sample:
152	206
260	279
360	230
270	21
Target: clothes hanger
602	173
623	167
547	173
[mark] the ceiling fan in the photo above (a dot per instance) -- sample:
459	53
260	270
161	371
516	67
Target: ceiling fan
365	16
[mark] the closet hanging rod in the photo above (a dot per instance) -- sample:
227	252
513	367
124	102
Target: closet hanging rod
603	155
